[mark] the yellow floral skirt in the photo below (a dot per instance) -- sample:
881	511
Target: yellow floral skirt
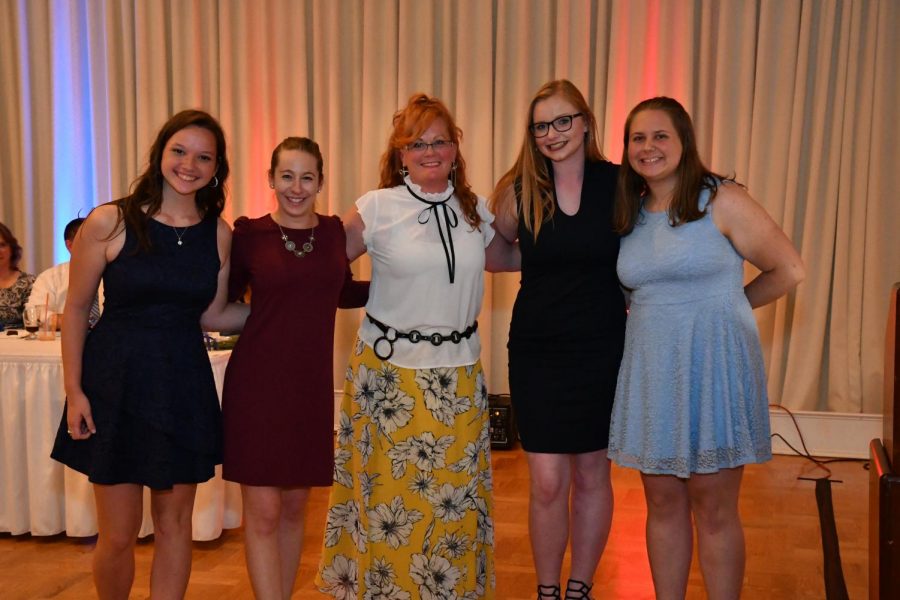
410	513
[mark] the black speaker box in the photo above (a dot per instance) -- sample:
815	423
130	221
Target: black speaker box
502	421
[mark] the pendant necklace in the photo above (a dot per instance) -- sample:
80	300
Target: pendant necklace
291	247
179	235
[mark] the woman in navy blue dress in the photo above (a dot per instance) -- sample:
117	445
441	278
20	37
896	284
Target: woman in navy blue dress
141	404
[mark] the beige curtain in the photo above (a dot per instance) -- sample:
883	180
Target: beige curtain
797	98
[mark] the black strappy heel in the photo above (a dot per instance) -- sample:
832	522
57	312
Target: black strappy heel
548	592
577	590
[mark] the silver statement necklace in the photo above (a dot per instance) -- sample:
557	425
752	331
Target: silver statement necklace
291	247
179	235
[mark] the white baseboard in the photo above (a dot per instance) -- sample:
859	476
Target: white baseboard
827	434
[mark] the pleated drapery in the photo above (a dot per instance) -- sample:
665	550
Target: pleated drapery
797	98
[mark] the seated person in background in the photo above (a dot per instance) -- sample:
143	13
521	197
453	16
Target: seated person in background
15	285
51	285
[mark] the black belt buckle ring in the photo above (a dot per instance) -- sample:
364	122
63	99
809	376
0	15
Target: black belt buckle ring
390	348
389	337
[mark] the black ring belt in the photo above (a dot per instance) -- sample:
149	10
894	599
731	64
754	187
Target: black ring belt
390	335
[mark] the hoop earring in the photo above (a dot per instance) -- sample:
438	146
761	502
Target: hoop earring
215	182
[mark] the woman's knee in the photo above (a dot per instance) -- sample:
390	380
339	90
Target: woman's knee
263	510
172	513
119	516
117	540
261	523
666	496
293	505
172	523
547	488
714	514
592	478
714	501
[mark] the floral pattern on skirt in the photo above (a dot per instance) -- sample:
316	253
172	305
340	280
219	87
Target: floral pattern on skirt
410	513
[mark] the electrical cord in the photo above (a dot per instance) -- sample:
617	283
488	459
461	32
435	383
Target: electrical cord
819	462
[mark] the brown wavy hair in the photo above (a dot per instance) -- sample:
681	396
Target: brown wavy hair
15	249
410	123
145	199
693	176
530	176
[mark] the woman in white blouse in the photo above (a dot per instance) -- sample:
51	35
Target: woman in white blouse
410	510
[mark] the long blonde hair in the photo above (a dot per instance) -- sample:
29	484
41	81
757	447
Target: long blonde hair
411	122
530	177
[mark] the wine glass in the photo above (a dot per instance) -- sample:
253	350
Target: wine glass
31	317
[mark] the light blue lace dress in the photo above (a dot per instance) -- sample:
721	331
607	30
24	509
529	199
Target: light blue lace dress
691	393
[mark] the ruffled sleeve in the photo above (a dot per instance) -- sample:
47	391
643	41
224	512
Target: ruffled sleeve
367	207
487	217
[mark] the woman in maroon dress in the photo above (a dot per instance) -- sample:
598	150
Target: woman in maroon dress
278	401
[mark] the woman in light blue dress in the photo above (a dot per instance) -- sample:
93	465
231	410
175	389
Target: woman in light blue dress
691	406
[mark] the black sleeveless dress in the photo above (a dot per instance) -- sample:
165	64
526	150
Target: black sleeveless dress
145	368
568	324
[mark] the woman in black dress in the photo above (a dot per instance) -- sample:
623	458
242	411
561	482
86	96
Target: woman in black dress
141	404
567	330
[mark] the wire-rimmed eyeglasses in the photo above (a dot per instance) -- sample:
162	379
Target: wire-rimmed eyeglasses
561	123
436	145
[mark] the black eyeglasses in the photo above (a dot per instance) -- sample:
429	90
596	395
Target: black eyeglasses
561	123
436	145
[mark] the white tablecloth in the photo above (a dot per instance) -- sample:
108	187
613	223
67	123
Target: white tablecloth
40	495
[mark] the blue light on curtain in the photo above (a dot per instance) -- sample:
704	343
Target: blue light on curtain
73	148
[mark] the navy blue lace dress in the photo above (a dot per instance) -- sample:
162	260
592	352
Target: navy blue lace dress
145	369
